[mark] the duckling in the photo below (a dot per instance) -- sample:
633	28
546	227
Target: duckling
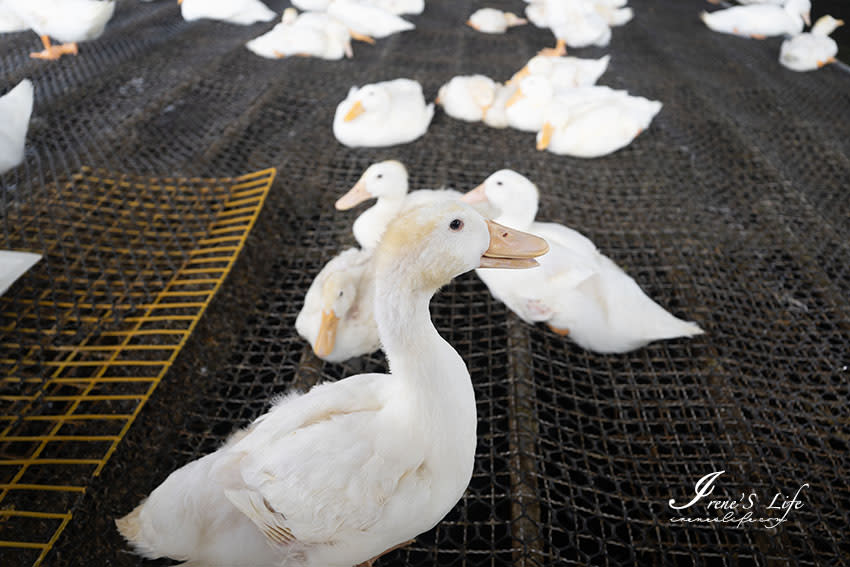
242	12
491	20
385	181
564	72
69	21
15	112
338	316
576	291
595	128
468	97
382	114
761	20
13	265
813	50
366	19
312	34
339	475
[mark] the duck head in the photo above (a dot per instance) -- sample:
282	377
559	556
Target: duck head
426	246
513	195
800	8
366	99
382	179
826	25
338	295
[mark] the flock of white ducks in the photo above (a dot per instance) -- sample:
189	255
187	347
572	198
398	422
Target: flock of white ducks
576	291
758	19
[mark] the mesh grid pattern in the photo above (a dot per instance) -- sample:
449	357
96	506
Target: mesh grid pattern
731	210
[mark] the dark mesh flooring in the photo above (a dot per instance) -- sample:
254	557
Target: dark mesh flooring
731	210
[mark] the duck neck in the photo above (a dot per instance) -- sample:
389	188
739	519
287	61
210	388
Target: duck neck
519	218
370	225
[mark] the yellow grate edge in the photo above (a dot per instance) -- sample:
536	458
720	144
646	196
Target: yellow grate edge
130	266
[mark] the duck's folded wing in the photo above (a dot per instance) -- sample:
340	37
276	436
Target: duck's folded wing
329	474
572	257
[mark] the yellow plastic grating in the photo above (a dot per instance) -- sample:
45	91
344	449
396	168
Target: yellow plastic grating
129	266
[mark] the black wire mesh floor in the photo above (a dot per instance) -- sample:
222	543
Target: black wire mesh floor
730	210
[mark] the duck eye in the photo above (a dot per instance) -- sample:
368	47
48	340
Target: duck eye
456	225
340	294
498	183
380	176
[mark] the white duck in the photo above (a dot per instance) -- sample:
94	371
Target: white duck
468	97
242	12
565	72
13	265
491	20
339	475
386	181
496	115
366	19
813	50
576	291
593	129
760	20
312	34
338	316
9	21
525	109
382	114
575	23
15	112
69	21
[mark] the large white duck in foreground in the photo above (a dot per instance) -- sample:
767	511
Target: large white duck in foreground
385	181
760	20
69	21
340	475
338	316
15	111
382	114
576	291
242	12
812	50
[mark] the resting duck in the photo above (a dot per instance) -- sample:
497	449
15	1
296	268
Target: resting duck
760	20
576	291
564	72
242	12
595	128
382	114
385	181
813	50
338	316
351	469
468	97
15	112
366	19
312	34
491	20
69	21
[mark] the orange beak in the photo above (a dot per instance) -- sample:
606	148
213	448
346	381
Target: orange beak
477	195
512	249
326	338
355	111
354	197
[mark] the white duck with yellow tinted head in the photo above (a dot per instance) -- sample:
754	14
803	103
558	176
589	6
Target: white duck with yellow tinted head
468	97
386	181
759	21
241	12
812	50
339	475
576	291
338	316
592	129
382	114
491	20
